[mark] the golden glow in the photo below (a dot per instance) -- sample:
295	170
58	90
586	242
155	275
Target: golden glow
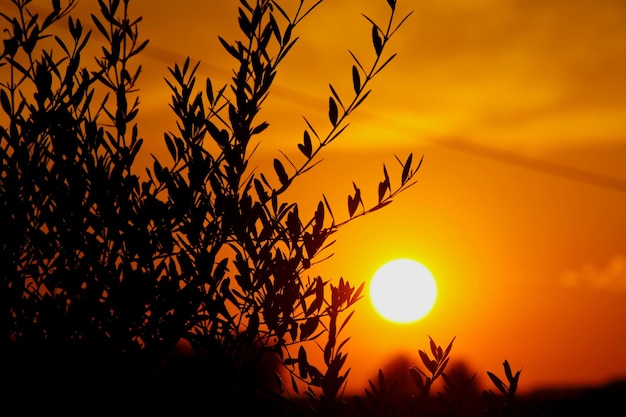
403	291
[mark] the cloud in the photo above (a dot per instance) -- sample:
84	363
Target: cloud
610	277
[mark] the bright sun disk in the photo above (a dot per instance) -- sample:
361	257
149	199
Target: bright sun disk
403	291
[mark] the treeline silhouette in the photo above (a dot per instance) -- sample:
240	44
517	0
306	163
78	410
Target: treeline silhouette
186	287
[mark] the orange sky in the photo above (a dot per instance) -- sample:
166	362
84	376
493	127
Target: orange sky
519	109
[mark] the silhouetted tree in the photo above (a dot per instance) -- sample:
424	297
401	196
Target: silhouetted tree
106	273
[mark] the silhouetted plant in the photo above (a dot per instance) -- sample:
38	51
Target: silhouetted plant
451	399
104	272
502	404
107	274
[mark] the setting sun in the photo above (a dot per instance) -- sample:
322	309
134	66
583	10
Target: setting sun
403	291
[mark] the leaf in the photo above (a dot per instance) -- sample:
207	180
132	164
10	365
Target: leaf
306	147
303	363
507	370
333	112
417	377
309	327
61	44
406	169
229	48
334	92
319	296
498	383
381	381
353	202
319	217
6	103
377	40
260	128
209	91
170	146
100	27
384	185
260	190
428	363
138	49
280	171
449	348
356	79
433	348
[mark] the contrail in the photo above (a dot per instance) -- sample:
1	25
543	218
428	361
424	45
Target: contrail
538	165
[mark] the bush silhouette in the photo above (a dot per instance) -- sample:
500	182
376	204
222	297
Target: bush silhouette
186	285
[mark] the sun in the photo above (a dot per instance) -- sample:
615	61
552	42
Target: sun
403	291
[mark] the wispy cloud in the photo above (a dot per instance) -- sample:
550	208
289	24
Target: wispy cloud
608	277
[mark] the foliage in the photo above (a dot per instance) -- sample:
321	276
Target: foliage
106	273
99	261
385	398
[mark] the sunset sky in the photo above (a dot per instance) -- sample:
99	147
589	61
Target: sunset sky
519	109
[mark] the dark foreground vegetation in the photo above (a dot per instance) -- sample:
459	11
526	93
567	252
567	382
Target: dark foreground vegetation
184	288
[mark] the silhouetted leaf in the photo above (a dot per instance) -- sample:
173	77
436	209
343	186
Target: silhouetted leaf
384	185
6	103
430	364
170	146
448	348
61	44
229	48
319	217
309	327
138	49
507	370
303	363
384	64
417	377
433	348
245	24
100	27
381	381
280	171
362	99
406	169
353	202
377	40
356	79
332	111
260	128
497	382
335	95
306	147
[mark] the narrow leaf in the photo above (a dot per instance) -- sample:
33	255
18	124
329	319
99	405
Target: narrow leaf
417	378
303	363
377	40
306	146
356	79
406	169
6	103
280	171
333	112
497	382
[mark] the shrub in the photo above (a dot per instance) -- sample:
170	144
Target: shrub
180	286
